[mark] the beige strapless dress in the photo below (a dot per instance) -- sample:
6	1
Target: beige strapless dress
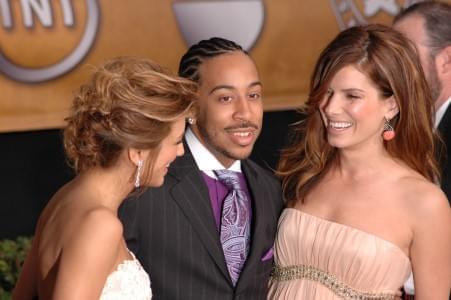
320	259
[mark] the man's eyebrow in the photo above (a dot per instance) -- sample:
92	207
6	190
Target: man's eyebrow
230	87
219	87
255	83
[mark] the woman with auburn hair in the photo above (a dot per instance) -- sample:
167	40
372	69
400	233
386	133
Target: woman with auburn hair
359	179
125	128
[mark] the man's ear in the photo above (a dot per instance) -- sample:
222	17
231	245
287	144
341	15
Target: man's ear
443	63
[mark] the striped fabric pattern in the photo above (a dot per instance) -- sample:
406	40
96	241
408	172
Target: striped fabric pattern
173	233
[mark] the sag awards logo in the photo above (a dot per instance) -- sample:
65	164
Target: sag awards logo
199	20
196	20
350	13
27	14
240	21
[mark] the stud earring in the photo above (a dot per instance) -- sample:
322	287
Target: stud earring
389	132
191	120
138	174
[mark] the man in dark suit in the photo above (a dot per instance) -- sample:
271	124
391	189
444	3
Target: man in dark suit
178	231
428	26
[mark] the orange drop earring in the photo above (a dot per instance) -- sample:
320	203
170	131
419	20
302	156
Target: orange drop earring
389	132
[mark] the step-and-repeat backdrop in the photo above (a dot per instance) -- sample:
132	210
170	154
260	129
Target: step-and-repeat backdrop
48	47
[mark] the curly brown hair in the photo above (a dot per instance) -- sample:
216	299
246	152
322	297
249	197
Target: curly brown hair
392	64
129	102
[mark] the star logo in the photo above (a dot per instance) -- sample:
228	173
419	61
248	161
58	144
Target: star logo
372	7
350	13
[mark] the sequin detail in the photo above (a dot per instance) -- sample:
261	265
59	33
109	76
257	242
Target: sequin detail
129	281
328	280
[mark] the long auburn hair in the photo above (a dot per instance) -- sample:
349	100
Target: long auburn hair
391	62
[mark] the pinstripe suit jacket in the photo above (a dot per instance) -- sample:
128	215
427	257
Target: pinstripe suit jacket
444	129
172	231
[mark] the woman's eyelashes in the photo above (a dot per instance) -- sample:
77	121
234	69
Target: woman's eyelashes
353	96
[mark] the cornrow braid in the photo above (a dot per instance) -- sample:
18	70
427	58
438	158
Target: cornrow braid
197	53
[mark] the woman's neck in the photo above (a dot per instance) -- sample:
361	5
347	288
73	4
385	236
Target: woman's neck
109	186
355	164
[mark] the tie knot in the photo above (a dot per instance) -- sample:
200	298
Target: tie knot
229	178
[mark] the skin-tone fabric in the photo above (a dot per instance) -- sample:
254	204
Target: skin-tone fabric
360	260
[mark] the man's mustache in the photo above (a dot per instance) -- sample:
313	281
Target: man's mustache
243	125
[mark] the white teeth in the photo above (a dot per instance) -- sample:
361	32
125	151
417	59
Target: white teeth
167	166
241	134
340	125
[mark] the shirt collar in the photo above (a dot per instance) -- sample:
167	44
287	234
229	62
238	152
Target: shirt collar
205	160
441	111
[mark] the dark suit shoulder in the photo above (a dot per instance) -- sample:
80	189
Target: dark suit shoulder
265	181
444	126
261	171
444	129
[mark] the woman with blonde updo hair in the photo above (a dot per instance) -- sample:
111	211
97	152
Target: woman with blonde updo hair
125	128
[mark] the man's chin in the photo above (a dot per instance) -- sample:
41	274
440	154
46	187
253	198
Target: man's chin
239	154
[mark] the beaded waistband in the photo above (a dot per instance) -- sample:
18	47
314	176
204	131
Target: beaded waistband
330	281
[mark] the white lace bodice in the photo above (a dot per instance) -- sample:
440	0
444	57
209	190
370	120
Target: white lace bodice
128	282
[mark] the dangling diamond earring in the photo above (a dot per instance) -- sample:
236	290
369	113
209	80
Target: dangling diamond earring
389	132
191	120
138	173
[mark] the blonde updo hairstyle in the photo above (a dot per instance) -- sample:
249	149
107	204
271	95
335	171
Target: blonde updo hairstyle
129	102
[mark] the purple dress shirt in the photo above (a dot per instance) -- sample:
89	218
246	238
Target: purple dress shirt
219	191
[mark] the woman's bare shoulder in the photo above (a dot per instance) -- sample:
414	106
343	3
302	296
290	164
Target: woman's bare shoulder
95	240
423	198
99	223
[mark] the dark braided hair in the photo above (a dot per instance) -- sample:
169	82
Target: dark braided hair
197	53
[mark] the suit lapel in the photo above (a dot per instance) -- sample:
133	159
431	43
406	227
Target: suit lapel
444	126
259	218
444	130
191	195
